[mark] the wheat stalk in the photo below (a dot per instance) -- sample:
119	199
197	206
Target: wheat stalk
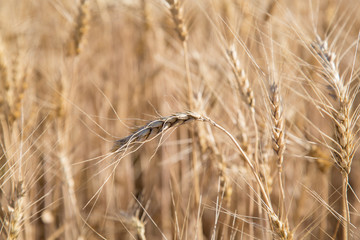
62	125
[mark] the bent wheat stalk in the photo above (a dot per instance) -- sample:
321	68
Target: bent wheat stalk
160	126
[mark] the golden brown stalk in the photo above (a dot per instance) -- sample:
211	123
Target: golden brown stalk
80	29
225	194
342	118
70	199
324	165
225	183
278	138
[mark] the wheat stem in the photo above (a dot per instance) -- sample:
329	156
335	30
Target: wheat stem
345	204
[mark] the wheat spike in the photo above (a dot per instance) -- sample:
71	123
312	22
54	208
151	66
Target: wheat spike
16	212
278	131
243	85
80	29
155	128
342	118
341	113
177	15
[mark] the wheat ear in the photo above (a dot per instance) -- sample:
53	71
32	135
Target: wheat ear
177	16
342	118
16	212
80	29
155	128
278	138
243	87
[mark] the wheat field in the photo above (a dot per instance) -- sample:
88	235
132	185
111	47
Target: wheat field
179	119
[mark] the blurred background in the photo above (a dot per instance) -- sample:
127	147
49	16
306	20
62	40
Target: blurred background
77	75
